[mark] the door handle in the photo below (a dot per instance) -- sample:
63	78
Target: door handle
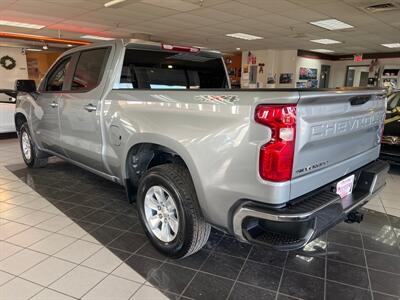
90	107
53	104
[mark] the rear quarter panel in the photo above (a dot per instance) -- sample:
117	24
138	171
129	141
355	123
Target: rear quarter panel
213	131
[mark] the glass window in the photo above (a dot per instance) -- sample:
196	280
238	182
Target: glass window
171	70
89	69
56	78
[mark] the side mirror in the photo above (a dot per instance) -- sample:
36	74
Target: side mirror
25	85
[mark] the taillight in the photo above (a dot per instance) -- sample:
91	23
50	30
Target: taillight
276	157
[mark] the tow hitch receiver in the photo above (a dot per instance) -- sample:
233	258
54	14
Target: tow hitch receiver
354	216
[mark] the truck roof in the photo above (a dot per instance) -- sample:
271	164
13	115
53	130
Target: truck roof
146	45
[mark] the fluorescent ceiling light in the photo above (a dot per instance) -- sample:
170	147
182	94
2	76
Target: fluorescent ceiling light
392	45
33	49
322	50
332	24
244	36
113	2
19	24
325	41
95	37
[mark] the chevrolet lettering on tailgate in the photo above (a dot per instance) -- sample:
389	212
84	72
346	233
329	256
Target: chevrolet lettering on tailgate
345	126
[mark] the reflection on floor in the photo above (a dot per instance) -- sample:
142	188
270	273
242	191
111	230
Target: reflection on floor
70	233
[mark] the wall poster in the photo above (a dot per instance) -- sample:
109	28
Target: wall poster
312	84
301	84
308	73
271	79
286	78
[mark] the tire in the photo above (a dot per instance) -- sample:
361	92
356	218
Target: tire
30	153
192	230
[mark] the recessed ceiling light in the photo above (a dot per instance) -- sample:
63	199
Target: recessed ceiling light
95	37
238	49
392	45
325	41
19	24
113	2
244	36
69	45
332	24
322	50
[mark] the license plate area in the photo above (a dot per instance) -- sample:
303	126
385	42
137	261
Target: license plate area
345	186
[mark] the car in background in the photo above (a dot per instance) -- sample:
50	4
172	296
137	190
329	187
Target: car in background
7	110
390	149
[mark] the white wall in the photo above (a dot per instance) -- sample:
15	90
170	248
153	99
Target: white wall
287	61
8	77
341	67
276	62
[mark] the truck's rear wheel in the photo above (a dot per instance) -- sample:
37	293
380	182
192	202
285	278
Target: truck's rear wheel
30	154
169	211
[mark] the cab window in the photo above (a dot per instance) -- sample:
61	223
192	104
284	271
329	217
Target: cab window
55	81
89	69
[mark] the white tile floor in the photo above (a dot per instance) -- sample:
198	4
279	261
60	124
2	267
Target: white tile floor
45	255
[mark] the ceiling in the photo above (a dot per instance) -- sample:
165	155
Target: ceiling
283	24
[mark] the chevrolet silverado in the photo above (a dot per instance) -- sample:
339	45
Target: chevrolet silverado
276	167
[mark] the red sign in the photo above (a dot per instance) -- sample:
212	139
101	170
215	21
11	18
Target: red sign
358	57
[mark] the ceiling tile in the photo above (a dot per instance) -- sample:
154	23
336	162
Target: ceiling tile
240	9
178	5
214	14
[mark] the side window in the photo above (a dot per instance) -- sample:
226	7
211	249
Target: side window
89	69
56	78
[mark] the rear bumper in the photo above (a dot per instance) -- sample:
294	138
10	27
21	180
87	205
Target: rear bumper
306	217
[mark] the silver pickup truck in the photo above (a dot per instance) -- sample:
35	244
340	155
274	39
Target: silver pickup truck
275	167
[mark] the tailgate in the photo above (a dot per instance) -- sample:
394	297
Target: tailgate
333	127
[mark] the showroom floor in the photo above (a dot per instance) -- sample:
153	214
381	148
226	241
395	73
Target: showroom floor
68	234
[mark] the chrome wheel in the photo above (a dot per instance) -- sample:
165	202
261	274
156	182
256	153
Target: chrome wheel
26	145
161	213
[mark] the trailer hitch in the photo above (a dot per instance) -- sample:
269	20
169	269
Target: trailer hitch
354	216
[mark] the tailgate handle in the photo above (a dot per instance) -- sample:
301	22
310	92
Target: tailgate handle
359	100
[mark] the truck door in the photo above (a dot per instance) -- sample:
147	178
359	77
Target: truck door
80	109
45	118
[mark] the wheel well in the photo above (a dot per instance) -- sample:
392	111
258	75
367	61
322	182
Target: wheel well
144	156
19	120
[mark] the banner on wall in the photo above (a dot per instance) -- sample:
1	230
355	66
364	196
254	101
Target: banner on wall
251	59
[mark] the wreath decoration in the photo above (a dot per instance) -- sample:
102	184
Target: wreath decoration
8	62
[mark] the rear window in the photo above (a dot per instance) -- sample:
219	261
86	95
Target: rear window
143	69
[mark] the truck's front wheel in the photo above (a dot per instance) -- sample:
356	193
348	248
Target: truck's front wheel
30	153
169	211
